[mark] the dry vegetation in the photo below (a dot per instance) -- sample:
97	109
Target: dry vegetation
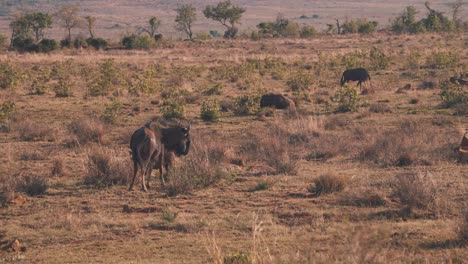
376	183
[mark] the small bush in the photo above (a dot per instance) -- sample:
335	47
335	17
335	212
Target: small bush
10	75
416	191
246	104
172	109
347	98
138	42
379	108
47	45
215	89
97	43
463	229
308	32
299	81
29	130
112	111
210	110
87	130
453	94
378	59
32	185
202	167
443	59
80	42
58	167
105	169
327	183
237	258
7	108
364	197
168	216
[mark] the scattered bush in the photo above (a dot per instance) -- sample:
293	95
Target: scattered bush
168	216
32	185
246	104
299	81
201	168
378	59
10	75
111	111
97	43
6	109
87	130
453	94
172	109
308	32
237	258
210	110
416	191
215	89
47	45
362	26
443	59
29	130
105	169
327	183
58	167
347	98
109	77
379	108
364	197
138	42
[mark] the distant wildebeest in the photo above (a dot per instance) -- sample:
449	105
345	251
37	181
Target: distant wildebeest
154	146
458	80
359	74
278	101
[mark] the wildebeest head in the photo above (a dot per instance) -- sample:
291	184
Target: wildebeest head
176	139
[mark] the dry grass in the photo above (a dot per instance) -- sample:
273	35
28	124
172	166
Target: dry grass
29	130
87	130
202	167
363	197
328	183
416	191
105	168
412	143
58	167
32	185
463	229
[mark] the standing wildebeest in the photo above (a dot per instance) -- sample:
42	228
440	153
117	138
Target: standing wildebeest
359	74
279	101
153	147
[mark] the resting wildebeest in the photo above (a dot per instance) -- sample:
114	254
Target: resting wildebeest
279	101
153	146
359	74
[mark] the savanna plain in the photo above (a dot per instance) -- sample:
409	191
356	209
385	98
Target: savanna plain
344	177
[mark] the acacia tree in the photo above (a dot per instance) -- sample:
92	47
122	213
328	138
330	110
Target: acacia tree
227	14
153	25
186	15
90	23
35	23
68	17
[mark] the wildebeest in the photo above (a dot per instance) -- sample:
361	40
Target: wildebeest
278	101
152	146
458	80
359	74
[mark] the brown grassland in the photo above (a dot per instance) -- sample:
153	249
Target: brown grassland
376	185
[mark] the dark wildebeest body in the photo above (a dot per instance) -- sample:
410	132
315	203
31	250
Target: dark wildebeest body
359	74
278	101
155	149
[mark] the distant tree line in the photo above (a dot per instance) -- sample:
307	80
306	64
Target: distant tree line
28	29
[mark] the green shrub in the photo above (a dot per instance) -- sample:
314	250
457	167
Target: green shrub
452	94
246	104
378	59
361	25
32	185
171	109
10	75
215	89
80	42
6	109
112	111
443	59
143	83
97	43
210	110
23	44
299	81
308	32
354	59
347	98
138	42
414	60
109	76
168	216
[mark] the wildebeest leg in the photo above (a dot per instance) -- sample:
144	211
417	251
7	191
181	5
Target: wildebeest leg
135	171
161	160
360	85
148	174
143	180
